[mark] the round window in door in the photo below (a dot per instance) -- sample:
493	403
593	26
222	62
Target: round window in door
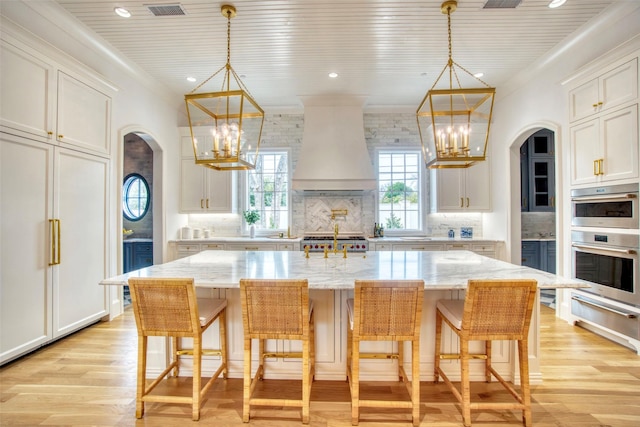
135	197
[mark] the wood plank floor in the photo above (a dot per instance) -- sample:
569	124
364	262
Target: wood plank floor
88	379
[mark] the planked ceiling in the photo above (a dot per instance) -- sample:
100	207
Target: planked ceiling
390	51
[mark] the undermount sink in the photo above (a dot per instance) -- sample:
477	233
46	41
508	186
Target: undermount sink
415	238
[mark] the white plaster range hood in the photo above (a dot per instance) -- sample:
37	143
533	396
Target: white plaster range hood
334	154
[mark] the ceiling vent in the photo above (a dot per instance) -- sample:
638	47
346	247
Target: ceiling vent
166	9
501	4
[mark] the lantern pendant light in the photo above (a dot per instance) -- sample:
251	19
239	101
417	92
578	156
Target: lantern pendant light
453	120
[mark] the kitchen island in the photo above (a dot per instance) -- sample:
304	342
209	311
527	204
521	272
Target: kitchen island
331	280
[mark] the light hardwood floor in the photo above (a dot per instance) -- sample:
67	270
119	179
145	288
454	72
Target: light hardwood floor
89	379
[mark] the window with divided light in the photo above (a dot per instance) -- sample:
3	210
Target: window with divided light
268	189
399	177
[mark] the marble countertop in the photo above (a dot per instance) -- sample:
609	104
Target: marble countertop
440	270
271	239
239	239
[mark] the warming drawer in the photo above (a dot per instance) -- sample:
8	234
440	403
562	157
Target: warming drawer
617	319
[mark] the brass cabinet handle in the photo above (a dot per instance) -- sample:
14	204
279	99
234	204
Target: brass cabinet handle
201	203
595	167
553	202
60	136
59	244
461	202
50	133
600	167
467	202
54	258
207	203
599	103
595	105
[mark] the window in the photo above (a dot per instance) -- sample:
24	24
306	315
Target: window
135	197
399	189
268	189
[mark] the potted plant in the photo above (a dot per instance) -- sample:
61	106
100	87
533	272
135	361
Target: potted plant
251	217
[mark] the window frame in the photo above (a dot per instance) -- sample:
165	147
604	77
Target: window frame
125	187
422	190
260	231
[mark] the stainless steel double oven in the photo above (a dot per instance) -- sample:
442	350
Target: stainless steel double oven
604	252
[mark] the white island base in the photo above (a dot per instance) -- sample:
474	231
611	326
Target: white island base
331	281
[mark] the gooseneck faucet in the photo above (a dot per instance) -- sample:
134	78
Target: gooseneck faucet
335	238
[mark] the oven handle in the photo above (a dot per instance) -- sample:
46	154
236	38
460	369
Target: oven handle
604	197
604	307
600	248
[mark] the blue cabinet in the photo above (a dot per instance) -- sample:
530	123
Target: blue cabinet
136	255
539	254
537	173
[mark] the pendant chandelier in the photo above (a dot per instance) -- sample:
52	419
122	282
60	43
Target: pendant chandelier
454	121
226	126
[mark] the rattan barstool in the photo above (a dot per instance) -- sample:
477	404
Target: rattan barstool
169	308
385	310
277	309
491	310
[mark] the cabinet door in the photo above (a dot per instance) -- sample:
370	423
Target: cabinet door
619	85
541	185
450	183
84	116
82	207
26	205
251	246
524	177
478	187
142	255
584	152
27	88
619	135
219	194
192	187
531	254
583	101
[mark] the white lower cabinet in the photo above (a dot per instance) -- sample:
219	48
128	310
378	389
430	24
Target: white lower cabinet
53	237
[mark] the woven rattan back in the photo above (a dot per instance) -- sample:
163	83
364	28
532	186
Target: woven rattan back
164	307
275	309
498	309
387	309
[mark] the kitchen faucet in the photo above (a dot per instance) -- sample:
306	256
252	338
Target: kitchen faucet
335	238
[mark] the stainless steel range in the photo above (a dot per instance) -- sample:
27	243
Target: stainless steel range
318	243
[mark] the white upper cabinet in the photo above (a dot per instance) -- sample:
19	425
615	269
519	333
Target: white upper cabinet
462	190
43	102
608	90
204	190
605	148
604	135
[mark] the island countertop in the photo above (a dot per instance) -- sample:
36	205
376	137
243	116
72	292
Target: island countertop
441	270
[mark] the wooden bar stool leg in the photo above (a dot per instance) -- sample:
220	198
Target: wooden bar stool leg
438	344
400	360
415	381
246	389
523	356
222	320
197	378
142	370
355	387
487	365
306	383
465	384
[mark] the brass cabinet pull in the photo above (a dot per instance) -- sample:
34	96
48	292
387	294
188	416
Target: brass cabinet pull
595	105
595	167
600	167
207	203
60	136
59	244
54	258
461	202
50	133
599	103
201	203
467	202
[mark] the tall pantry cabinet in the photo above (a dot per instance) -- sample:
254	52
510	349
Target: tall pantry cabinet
54	198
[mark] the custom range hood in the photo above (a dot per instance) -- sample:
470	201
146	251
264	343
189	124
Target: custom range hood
334	154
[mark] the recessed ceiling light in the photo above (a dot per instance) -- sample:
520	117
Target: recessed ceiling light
333	75
191	79
121	11
556	3
478	75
